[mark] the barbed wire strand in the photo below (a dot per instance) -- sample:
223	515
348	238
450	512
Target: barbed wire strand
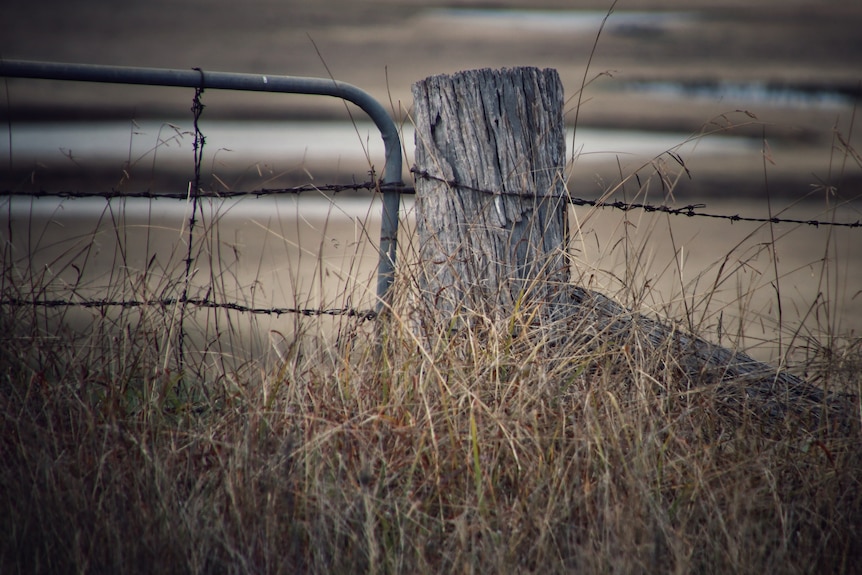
689	210
231	194
362	314
194	191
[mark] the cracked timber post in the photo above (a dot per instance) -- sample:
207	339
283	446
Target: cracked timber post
500	131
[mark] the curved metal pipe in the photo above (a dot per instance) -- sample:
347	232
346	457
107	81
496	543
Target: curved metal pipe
197	78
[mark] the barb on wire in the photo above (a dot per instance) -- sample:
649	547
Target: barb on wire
194	192
229	194
690	210
363	315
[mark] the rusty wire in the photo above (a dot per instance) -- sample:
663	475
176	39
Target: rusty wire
690	210
363	315
223	195
198	147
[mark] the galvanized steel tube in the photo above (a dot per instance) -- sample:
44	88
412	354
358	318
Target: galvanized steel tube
197	78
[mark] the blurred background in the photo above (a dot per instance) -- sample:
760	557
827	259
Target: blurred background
758	99
662	71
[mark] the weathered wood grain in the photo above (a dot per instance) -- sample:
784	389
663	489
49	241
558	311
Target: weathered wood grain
499	131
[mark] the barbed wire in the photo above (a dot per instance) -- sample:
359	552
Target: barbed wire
230	194
194	192
690	210
361	314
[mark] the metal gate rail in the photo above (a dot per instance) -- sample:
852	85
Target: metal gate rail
197	78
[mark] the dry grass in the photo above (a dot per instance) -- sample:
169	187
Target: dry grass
487	450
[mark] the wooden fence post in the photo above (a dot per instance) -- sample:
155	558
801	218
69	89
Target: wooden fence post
491	216
490	210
